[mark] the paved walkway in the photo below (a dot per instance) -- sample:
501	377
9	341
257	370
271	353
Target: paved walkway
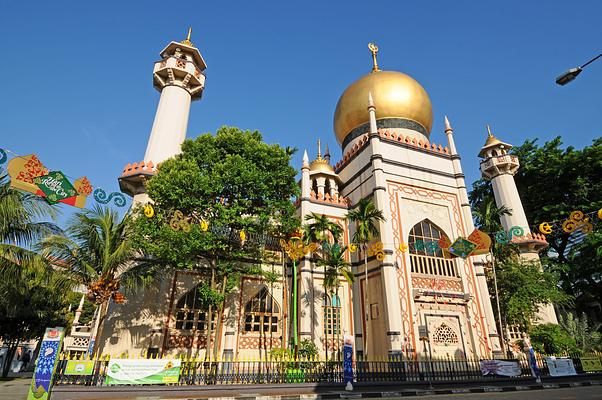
321	391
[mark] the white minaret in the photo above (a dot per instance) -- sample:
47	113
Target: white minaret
499	167
180	79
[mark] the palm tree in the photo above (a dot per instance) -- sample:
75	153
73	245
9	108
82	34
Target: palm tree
335	265
365	215
97	252
318	230
20	228
487	217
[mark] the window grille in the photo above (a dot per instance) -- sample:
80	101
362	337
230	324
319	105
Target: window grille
261	313
331	307
444	335
426	257
188	312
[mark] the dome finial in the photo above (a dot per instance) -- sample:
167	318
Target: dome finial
319	151
187	41
327	153
489	134
374	49
447	125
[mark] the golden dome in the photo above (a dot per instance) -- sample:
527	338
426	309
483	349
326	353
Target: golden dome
321	165
396	95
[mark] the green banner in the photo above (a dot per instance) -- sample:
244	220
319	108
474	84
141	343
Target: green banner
591	364
75	367
55	186
143	371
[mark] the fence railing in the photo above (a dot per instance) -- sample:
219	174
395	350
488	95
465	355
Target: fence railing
392	369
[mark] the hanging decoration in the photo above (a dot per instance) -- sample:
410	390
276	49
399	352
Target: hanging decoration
403	247
600	213
376	249
179	222
482	240
101	196
545	228
462	247
28	174
243	237
353	247
204	225
503	237
296	249
577	220
149	211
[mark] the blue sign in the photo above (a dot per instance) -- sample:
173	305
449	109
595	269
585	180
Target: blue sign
46	364
347	363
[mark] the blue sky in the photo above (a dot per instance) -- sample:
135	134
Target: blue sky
77	76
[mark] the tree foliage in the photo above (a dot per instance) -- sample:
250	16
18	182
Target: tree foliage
522	287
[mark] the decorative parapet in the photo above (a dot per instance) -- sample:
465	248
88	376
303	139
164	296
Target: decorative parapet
326	198
137	168
134	175
390	137
533	241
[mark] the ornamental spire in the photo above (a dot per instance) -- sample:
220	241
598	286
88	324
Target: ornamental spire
447	125
374	49
187	41
319	151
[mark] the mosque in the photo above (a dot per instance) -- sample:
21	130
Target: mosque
408	297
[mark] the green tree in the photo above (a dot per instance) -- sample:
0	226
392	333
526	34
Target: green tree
551	339
365	216
33	300
319	229
587	337
522	287
31	294
98	253
232	182
335	265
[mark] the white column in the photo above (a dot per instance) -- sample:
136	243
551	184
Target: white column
170	125
506	194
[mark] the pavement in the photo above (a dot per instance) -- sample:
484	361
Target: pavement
590	384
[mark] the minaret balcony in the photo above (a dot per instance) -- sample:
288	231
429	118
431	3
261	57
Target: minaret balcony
179	72
499	165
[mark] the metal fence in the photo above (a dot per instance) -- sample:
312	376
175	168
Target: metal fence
392	369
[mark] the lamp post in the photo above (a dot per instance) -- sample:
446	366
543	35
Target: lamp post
295	249
572	73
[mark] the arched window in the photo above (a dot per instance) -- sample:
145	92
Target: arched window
188	312
331	306
426	256
261	313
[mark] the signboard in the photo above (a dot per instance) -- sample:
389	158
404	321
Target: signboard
462	247
348	359
75	367
591	364
41	382
143	371
500	367
560	366
55	186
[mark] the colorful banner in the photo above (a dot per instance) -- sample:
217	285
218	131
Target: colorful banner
41	382
348	359
591	364
75	367
560	366
143	371
500	367
55	186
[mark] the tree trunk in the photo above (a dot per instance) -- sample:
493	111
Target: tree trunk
218	323
12	350
366	305
209	318
340	325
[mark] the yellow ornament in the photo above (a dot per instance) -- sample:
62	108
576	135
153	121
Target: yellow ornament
545	228
403	247
600	213
243	236
204	225
353	247
149	211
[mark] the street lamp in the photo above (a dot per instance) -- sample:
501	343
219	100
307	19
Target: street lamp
572	73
